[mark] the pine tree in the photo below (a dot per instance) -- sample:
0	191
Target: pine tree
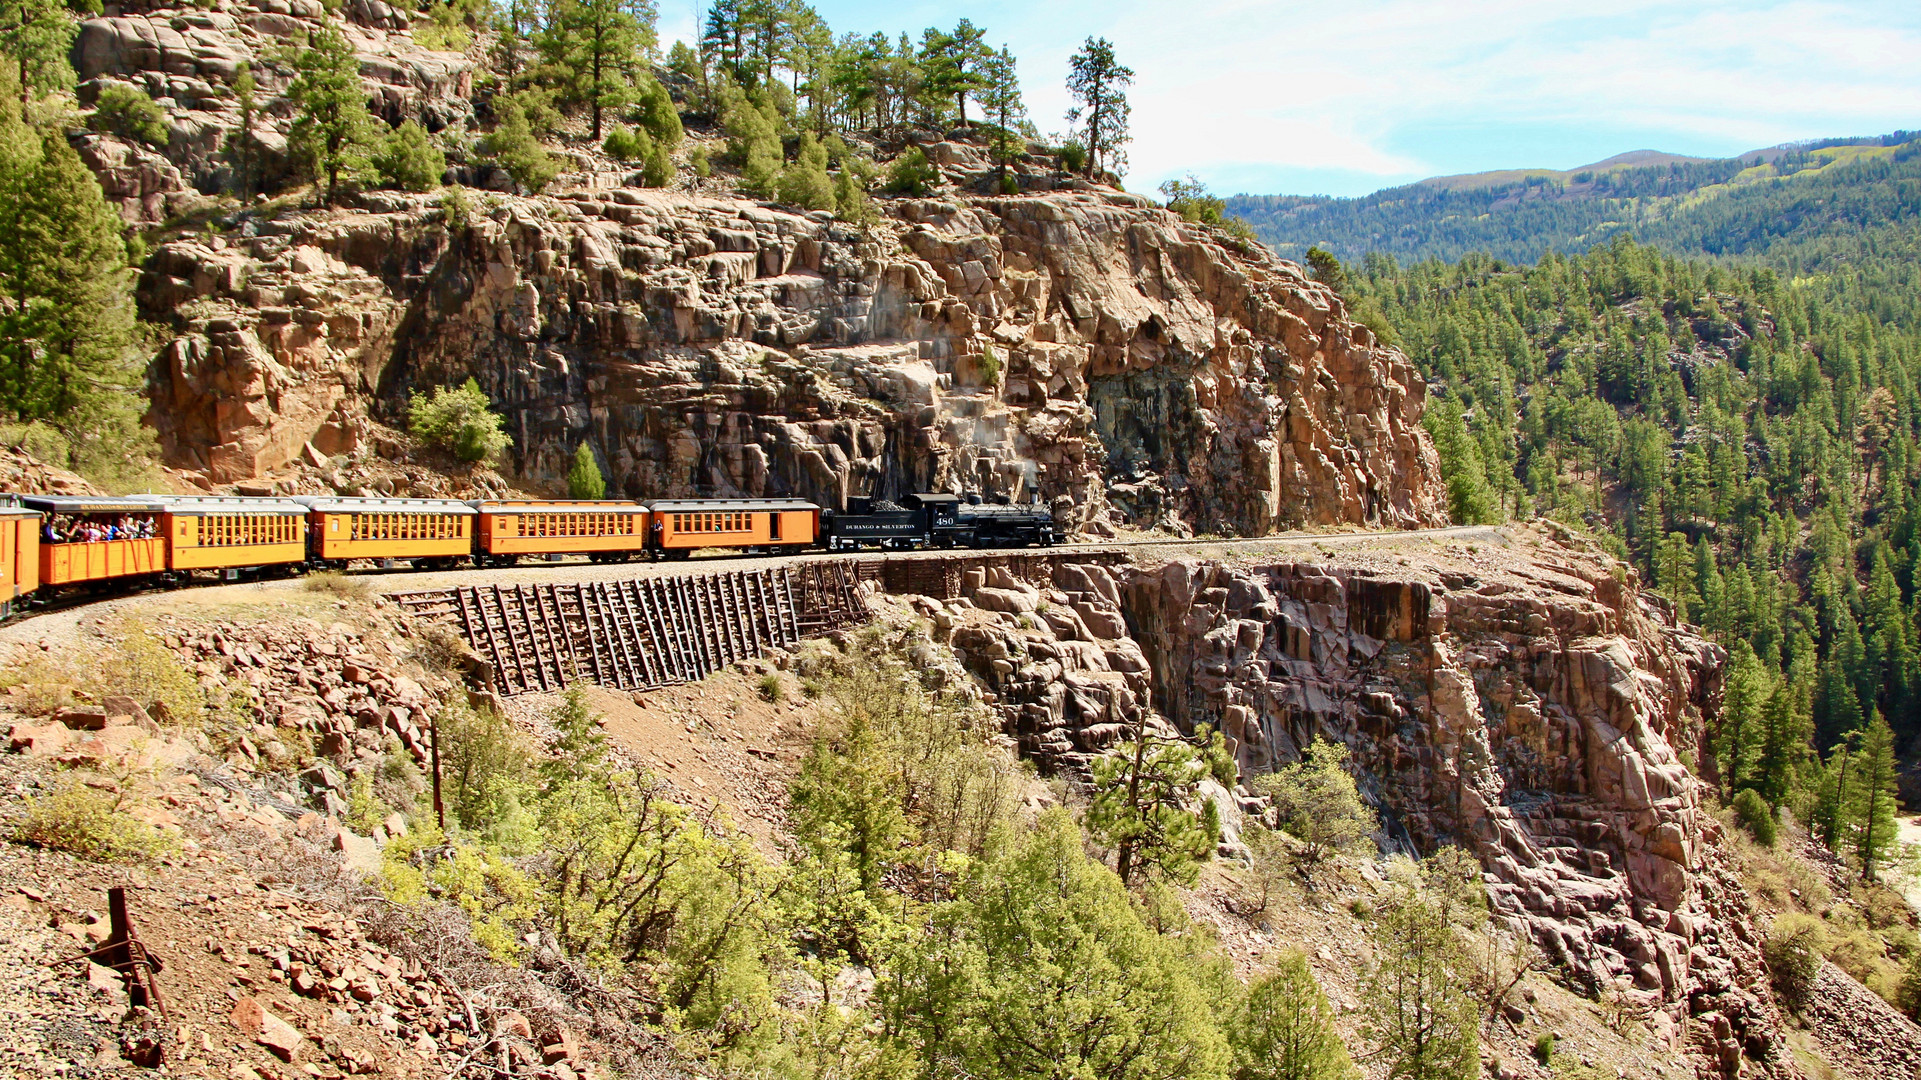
332	133
1832	815
513	145
1741	730
592	49
243	146
1000	96
1143	790
1419	1011
1045	966
1098	82
584	480
409	160
1283	1028
68	324
805	183
1872	797
35	35
953	61
1317	801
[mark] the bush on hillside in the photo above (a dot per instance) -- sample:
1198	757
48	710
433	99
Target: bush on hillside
127	111
459	420
409	160
1756	816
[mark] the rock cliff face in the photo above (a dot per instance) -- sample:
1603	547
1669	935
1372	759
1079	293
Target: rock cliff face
1085	348
187	59
1524	703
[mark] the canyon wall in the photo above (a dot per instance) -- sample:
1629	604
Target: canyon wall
1084	348
1522	699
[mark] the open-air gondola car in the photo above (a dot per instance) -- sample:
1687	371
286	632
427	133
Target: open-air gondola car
86	538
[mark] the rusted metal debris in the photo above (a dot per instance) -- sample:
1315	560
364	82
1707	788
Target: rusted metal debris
127	955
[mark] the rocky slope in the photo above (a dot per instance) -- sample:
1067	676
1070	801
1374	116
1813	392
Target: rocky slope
1525	703
1077	344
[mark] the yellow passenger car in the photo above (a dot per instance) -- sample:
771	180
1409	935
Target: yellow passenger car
88	539
230	533
604	530
19	556
427	532
684	526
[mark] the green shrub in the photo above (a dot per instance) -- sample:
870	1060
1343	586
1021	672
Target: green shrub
1315	800
805	183
92	824
584	480
1284	1028
514	146
1544	1048
409	160
1193	202
1793	954
772	689
658	169
659	115
129	112
627	144
1074	158
483	763
1010	185
455	208
697	157
911	174
852	204
1754	814
459	420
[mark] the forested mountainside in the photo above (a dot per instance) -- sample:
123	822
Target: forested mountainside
1795	205
1744	431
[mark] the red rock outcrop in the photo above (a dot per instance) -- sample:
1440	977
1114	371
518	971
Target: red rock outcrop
1525	704
187	58
1083	347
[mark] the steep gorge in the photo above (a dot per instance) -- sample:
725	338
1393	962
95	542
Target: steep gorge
1518	699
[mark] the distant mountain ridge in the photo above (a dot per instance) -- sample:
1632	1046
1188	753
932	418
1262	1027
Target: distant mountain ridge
1776	200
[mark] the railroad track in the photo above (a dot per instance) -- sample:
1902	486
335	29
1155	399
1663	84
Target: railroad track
641	633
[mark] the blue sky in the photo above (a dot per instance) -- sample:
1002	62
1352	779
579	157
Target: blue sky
1347	96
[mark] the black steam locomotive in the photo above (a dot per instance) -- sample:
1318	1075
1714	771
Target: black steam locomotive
937	521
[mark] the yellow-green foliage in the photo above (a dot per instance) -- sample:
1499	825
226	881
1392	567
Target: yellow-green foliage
90	823
498	898
904	773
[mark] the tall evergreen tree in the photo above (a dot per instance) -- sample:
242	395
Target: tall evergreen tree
1741	730
953	62
1873	796
333	134
35	35
1099	83
1283	1028
1000	97
592	51
68	323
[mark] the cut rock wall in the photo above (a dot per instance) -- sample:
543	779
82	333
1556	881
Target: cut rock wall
1085	348
1528	706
